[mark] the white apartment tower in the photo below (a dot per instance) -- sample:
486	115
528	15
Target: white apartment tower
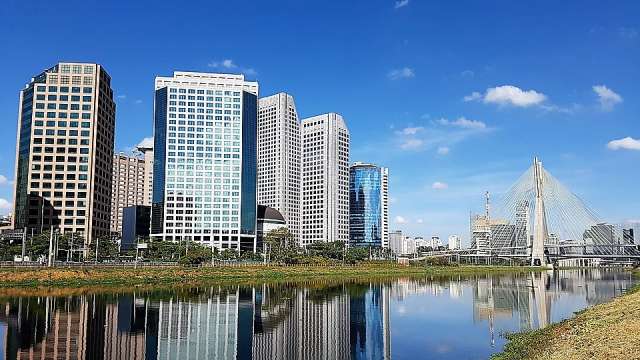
204	176
279	158
325	179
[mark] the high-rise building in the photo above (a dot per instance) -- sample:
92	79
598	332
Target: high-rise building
204	176
130	185
395	241
368	205
325	179
279	158
64	151
147	153
454	242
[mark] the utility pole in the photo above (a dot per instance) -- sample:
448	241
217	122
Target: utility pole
97	244
24	243
50	262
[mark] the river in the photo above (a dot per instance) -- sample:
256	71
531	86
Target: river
453	317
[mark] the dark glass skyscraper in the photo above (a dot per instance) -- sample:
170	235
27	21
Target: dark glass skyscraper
368	205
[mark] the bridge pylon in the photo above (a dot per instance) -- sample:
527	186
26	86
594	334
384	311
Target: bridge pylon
540	232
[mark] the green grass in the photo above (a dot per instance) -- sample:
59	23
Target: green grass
589	334
20	277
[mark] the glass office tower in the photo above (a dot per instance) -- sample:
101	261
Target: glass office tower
205	160
368	205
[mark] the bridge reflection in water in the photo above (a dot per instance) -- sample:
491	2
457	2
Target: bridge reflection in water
319	320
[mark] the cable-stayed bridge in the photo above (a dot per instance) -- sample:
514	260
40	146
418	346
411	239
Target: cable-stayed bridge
541	221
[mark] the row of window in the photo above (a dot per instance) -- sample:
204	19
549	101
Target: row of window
52	97
65	89
52	132
62	115
202	92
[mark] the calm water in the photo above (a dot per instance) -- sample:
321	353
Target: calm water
425	318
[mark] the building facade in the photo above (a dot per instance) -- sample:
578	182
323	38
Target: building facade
325	179
279	158
204	176
454	242
368	205
64	151
395	241
130	185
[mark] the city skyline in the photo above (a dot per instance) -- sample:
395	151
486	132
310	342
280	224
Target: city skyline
451	115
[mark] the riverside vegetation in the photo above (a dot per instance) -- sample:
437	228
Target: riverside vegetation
279	247
605	331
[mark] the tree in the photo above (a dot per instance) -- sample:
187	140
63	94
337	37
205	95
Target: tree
280	246
196	255
107	249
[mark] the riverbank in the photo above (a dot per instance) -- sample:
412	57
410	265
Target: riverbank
605	331
71	277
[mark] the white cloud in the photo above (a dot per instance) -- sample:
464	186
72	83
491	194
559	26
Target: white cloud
508	95
139	101
227	64
443	150
473	96
122	96
5	205
463	123
627	143
400	220
403	73
411	130
439	185
401	3
250	72
419	221
3	180
146	142
628	33
467	74
606	97
412	144
512	95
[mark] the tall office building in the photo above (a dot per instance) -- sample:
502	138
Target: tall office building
325	179
279	161
130	184
369	205
64	151
147	155
204	176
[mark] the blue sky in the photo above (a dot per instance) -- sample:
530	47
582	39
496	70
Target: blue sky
455	97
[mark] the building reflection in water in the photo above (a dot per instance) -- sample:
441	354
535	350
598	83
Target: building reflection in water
346	321
321	320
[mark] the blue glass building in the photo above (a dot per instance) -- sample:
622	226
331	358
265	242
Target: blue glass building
205	160
368	205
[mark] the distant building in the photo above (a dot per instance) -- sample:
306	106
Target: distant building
268	219
325	179
395	241
130	185
368	205
454	242
135	225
